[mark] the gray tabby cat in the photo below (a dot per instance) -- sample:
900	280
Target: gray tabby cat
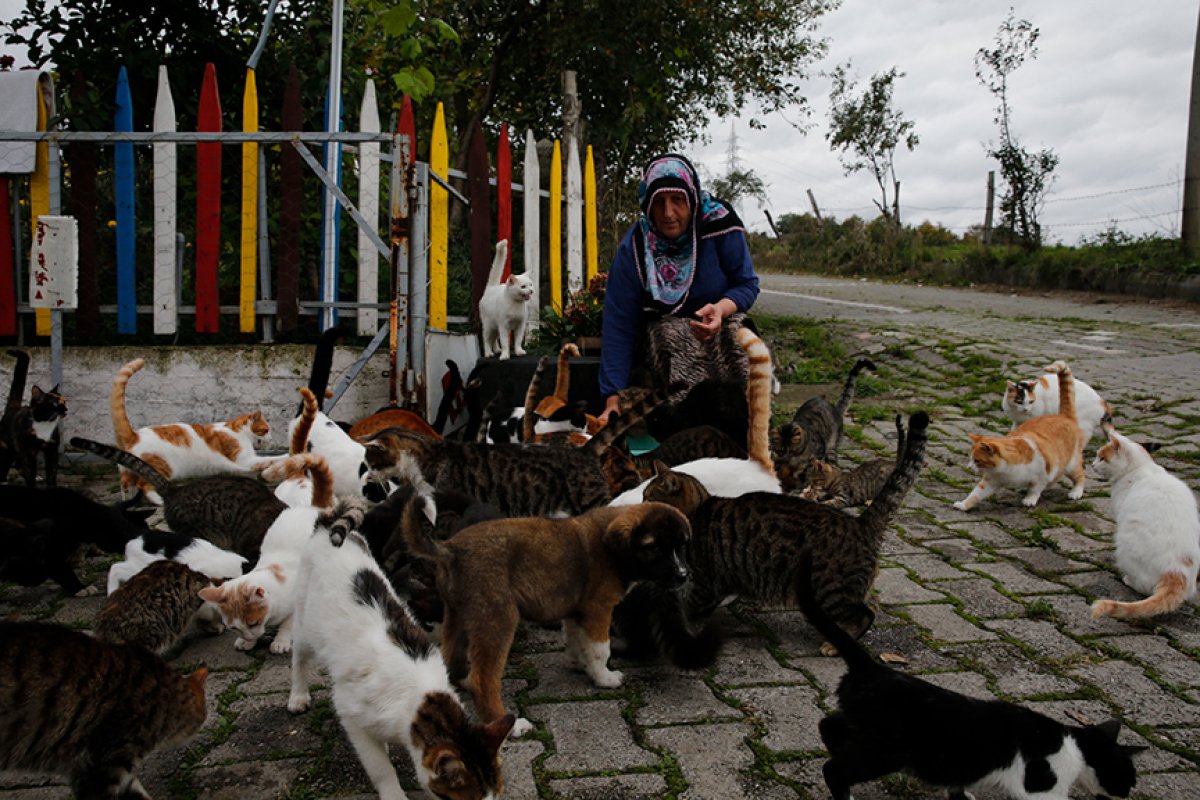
87	709
751	546
843	488
155	607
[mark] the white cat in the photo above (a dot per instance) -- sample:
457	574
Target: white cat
315	432
199	554
1038	397
389	681
504	308
721	477
1158	530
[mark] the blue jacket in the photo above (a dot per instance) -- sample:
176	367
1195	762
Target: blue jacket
723	269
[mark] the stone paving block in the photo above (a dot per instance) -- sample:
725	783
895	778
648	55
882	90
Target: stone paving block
790	713
711	758
269	779
985	532
218	653
1183	626
1013	579
981	599
609	787
674	698
265	730
50	792
518	756
895	587
1042	636
275	675
904	640
1168	786
79	611
791	631
1094	524
558	678
1070	541
1157	654
930	567
808	774
1074	613
827	671
893	544
944	624
959	550
970	684
744	661
590	737
1141	698
1023	683
1041	559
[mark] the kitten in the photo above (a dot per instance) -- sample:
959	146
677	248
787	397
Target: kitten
888	722
267	595
1034	455
182	450
87	709
1024	400
504	308
751	546
519	480
233	512
154	607
200	555
1158	530
826	483
815	432
27	431
389	683
731	477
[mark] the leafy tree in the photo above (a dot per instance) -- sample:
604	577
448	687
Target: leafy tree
868	130
738	184
1027	175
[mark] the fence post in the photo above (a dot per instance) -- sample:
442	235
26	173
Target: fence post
531	182
368	206
590	220
165	222
504	198
39	189
556	296
439	223
208	207
81	158
123	168
8	281
249	230
480	219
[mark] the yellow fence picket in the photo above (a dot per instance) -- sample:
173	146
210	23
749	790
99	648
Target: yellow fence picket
439	222
249	241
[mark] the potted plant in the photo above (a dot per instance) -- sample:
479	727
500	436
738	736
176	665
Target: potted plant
581	318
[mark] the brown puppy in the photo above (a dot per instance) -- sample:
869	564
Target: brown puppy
494	573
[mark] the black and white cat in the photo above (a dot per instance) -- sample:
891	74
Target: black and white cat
27	431
198	554
888	722
504	308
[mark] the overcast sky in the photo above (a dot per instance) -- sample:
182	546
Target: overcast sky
1108	94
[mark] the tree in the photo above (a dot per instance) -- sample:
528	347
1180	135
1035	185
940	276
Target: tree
738	184
1027	175
868	130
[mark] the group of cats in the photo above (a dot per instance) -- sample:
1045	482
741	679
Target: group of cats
478	536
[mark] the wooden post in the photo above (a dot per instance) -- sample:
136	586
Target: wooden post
531	181
590	217
574	181
813	201
166	319
248	260
39	192
208	207
123	181
1190	225
771	222
991	199
556	298
439	220
504	197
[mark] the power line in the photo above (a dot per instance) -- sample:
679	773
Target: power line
1114	191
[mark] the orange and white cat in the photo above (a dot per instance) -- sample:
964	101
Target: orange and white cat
181	450
1158	530
1034	454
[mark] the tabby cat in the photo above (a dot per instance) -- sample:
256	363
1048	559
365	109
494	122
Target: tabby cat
87	709
1034	454
843	488
182	450
888	722
815	432
625	471
519	480
231	511
751	546
154	608
27	431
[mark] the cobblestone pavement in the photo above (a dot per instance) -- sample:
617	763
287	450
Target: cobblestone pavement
992	603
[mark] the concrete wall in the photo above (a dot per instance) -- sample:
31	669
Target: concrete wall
198	385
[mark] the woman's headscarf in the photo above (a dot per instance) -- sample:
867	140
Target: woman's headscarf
667	266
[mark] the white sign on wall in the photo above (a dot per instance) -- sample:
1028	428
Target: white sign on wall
54	264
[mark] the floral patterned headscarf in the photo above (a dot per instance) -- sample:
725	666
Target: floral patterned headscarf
667	266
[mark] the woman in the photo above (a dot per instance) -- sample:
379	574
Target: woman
677	289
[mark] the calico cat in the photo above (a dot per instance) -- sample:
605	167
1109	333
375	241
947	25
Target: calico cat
182	450
389	683
815	432
27	431
888	722
154	608
519	480
826	483
1037	397
233	512
504	308
751	546
1158	530
87	709
267	595
730	477
198	554
1034	455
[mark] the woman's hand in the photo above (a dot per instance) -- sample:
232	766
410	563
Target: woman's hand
708	318
611	406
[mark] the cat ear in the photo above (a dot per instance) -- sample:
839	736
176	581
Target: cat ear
210	594
1110	728
496	732
975	437
1151	447
449	768
35	393
660	468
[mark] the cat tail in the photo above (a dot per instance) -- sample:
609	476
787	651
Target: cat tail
322	367
620	423
758	398
308	414
892	493
296	466
535	386
127	460
562	381
122	430
344	519
853	653
1169	594
848	395
420	515
1066	389
498	262
16	389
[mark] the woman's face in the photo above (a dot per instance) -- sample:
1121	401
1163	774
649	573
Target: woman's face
670	213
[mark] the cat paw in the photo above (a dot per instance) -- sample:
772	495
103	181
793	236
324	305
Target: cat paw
521	727
1076	492
244	644
1030	501
961	505
504	356
88	591
281	645
298	704
609	679
518	351
828	650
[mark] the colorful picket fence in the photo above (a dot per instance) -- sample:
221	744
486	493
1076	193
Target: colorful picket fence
256	309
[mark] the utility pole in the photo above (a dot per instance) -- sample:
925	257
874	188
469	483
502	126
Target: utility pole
1191	168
